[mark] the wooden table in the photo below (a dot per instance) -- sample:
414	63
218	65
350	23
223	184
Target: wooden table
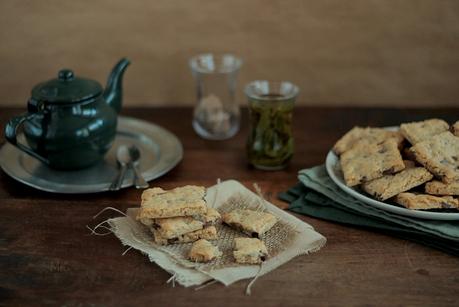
47	256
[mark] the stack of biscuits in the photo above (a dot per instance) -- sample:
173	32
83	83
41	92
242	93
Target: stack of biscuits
416	166
181	215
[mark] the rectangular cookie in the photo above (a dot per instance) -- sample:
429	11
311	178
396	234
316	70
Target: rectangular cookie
249	251
416	132
364	163
390	185
208	233
425	202
182	201
254	223
211	217
440	155
368	135
440	188
203	251
176	226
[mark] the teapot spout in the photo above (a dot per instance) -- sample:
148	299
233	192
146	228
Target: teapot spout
113	93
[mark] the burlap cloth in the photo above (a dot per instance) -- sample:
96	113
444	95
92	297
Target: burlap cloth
289	238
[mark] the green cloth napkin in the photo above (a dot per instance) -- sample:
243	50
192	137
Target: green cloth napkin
318	196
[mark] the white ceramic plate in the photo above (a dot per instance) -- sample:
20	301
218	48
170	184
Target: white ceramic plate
334	171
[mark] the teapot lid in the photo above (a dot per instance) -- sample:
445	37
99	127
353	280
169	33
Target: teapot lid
66	89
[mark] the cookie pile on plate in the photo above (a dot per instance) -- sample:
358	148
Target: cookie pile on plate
181	215
417	165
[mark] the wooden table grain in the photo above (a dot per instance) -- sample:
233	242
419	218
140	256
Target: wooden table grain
47	256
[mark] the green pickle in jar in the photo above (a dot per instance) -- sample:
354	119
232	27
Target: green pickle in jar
270	142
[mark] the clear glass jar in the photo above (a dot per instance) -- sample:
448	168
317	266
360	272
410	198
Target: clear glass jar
216	115
270	143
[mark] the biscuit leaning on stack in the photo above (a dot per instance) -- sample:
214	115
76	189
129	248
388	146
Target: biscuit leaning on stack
373	159
179	215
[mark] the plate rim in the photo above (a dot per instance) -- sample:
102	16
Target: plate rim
100	187
330	162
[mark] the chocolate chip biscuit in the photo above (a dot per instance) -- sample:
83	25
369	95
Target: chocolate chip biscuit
249	251
254	223
182	201
439	188
363	163
440	155
390	185
176	226
416	132
203	251
425	202
207	233
368	135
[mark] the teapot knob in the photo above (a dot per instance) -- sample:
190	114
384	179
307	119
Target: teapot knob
66	75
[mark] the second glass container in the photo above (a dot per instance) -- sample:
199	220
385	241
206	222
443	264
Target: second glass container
270	142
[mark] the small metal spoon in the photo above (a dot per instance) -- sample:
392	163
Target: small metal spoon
139	181
123	158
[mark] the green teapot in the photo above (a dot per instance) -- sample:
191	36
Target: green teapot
70	121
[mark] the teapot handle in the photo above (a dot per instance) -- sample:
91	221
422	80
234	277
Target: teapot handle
11	130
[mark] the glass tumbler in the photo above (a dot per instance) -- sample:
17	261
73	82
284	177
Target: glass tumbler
216	115
270	139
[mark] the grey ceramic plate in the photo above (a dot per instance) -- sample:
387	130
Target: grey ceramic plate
160	152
